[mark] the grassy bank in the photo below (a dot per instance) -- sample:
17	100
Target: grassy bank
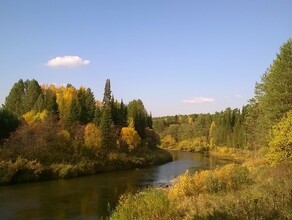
24	170
250	190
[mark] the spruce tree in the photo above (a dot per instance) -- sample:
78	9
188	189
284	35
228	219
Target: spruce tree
74	113
107	93
87	105
51	102
106	125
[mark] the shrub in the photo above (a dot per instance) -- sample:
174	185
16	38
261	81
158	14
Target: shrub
226	179
147	204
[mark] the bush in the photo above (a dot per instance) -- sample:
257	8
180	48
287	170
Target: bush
226	179
147	204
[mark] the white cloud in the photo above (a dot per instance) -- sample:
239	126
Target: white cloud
238	96
199	100
67	61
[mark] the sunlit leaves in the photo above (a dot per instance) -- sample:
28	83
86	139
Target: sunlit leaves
92	136
130	137
280	144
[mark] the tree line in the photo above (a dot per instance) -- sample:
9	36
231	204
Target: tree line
56	132
265	122
28	102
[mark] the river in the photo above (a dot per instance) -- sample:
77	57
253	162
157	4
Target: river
92	197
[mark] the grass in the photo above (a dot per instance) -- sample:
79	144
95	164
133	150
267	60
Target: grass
250	190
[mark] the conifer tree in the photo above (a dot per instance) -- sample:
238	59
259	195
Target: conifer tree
123	114
107	93
74	113
51	102
106	124
87	105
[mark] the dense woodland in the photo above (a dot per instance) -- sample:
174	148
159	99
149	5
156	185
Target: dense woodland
50	132
258	186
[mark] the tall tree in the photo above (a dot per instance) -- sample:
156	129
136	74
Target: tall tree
274	92
65	98
107	93
74	113
51	101
87	105
123	114
138	113
106	126
13	102
31	95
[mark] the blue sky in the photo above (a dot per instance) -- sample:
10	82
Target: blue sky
179	57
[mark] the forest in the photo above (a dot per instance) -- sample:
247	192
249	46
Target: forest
58	132
257	138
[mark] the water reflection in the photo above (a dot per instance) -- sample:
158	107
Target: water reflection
94	196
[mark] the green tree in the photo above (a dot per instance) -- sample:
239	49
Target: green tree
123	114
152	138
274	92
13	101
107	93
40	105
31	95
97	116
74	113
106	126
8	123
87	105
138	113
51	101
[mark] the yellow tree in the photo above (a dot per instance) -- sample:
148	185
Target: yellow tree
92	136
280	145
66	99
32	116
168	142
130	137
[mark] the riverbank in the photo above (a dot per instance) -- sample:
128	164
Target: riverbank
252	190
24	170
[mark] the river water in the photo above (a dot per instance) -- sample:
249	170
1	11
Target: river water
92	197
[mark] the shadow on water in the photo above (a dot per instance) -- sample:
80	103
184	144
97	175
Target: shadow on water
94	196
